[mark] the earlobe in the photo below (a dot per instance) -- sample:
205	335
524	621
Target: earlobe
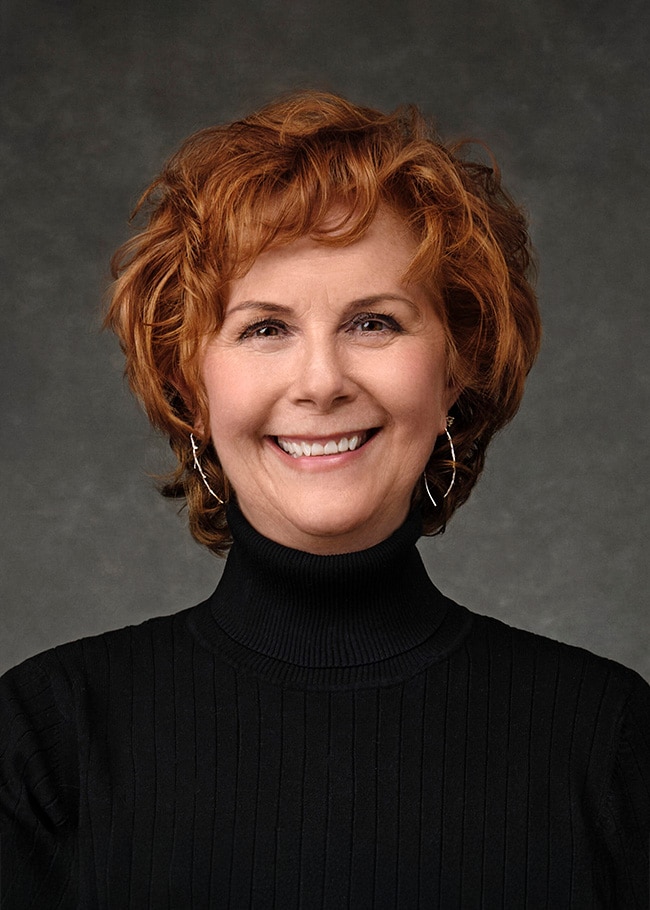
449	399
192	409
451	396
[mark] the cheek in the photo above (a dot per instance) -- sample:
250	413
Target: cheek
238	404
420	394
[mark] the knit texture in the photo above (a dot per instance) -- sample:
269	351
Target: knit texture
323	732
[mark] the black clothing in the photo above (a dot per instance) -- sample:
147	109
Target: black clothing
324	732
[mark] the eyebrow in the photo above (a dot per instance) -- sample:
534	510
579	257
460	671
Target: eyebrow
268	307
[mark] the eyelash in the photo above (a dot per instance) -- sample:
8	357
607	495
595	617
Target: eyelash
250	330
387	321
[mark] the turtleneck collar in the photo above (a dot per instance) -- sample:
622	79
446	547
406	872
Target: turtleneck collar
355	614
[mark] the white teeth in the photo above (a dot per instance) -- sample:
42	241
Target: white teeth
331	447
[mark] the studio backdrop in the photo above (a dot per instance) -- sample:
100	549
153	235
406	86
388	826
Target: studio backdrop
95	96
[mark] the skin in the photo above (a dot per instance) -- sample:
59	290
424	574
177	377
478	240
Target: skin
320	343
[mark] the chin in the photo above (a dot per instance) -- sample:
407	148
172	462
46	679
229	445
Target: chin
337	529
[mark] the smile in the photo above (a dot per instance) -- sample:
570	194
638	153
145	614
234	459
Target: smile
299	448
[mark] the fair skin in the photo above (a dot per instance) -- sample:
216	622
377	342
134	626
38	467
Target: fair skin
327	387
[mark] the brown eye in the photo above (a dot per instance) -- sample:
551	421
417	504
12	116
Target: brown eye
267	331
372	325
375	323
264	328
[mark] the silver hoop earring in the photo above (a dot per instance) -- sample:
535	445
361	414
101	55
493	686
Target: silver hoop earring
453	473
197	466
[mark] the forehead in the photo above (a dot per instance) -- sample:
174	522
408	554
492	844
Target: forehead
380	255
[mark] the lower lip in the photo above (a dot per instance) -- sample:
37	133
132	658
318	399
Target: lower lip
321	462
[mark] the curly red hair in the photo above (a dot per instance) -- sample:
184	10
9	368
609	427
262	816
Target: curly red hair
232	191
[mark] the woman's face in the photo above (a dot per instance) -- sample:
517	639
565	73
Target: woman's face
327	389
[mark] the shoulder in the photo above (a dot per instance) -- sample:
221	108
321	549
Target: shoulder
54	689
545	658
591	702
50	703
593	708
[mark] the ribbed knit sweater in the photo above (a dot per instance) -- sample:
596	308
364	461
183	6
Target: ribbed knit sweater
324	732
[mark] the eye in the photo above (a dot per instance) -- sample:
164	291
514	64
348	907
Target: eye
374	324
263	328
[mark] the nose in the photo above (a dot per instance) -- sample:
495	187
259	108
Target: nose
321	376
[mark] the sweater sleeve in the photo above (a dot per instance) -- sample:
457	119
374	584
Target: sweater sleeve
625	812
38	791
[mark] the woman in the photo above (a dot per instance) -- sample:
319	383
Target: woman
329	314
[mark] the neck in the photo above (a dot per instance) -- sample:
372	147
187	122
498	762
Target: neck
317	611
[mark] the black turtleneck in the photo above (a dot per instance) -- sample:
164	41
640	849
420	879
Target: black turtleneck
320	621
323	732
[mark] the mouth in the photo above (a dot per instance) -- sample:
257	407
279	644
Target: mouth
334	445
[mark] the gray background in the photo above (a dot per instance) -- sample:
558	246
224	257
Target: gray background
95	96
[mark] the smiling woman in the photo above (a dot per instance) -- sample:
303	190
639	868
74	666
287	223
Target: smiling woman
315	170
329	315
302	367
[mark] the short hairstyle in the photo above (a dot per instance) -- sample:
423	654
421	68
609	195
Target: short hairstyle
232	191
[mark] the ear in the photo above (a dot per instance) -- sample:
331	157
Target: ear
450	397
192	410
